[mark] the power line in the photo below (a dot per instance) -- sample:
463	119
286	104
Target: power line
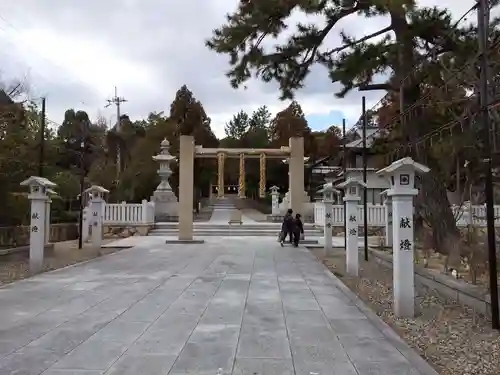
466	114
391	124
432	53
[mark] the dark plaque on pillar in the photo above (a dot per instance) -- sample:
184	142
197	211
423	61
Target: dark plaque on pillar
404	179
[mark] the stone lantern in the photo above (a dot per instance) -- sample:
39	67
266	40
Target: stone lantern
97	204
164	198
39	189
352	188
275	204
401	175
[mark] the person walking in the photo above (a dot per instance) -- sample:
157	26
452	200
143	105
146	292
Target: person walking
298	230
287	227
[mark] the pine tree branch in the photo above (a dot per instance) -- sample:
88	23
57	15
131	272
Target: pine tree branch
356	42
311	54
377	86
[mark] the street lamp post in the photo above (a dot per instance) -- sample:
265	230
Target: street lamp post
82	188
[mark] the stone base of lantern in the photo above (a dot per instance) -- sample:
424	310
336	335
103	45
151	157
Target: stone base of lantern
166	206
307	207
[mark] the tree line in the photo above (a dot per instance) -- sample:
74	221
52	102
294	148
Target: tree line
84	150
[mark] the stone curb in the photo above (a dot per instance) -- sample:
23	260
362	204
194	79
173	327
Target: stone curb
411	355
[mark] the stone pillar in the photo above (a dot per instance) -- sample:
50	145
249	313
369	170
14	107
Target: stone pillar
275	202
328	192
241	181
47	219
186	186
401	175
468	214
220	175
97	206
351	189
38	197
262	174
388	219
37	233
296	166
96	221
86	224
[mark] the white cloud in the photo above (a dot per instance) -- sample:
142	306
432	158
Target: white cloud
75	52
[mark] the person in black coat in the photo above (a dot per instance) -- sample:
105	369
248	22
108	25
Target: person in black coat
287	226
298	230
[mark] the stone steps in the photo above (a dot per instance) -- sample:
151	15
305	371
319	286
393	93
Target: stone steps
223	226
228	232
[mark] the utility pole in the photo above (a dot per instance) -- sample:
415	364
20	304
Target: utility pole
41	158
483	12
365	190
82	188
116	100
344	170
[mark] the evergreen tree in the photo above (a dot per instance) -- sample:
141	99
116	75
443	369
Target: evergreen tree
237	126
187	112
191	119
260	118
402	47
291	122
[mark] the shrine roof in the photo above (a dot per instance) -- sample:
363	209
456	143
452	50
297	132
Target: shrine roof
407	162
351	182
96	188
42	181
372	134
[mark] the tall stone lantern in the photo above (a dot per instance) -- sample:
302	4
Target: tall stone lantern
164	198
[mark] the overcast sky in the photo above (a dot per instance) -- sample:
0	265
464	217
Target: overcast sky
74	52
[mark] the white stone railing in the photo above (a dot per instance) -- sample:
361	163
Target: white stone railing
475	215
376	214
129	213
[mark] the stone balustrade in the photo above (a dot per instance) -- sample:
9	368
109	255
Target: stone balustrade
377	215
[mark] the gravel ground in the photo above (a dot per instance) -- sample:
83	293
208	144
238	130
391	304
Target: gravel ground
16	267
453	339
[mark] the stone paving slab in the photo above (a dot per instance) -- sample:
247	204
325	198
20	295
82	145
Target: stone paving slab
245	307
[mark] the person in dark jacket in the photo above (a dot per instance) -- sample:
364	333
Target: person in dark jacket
298	230
287	226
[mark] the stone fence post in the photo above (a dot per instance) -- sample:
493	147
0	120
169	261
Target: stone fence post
144	211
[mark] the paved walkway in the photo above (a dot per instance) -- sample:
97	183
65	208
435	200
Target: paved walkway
244	307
